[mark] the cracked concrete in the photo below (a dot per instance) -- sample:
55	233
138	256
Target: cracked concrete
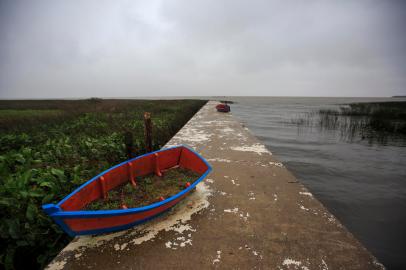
251	213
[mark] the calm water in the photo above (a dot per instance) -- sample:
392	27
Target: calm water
362	184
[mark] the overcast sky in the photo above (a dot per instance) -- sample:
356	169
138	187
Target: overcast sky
62	49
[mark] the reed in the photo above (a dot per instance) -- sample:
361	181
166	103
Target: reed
372	121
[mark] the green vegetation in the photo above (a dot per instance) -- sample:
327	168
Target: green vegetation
388	117
149	189
46	154
13	114
372	121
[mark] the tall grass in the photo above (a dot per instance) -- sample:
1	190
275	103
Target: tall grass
372	121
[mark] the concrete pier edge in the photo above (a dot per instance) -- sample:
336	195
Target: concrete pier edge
250	213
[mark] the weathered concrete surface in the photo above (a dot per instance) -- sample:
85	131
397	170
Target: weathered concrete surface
251	213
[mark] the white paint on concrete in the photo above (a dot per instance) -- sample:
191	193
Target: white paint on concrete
180	228
324	265
118	247
168	244
306	194
218	257
289	261
256	148
378	264
192	135
56	265
303	208
219	160
235	210
238	213
278	164
78	255
184	243
227	130
234	183
180	242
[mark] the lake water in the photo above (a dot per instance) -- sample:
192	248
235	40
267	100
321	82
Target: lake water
362	184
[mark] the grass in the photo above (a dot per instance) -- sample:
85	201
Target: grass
386	117
372	121
50	147
388	110
18	118
9	113
149	190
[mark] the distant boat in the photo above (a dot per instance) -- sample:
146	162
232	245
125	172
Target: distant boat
71	217
223	107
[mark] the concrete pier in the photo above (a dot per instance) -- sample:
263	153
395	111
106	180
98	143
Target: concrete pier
250	213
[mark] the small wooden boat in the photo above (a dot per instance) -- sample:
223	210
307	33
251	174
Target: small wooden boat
71	217
223	107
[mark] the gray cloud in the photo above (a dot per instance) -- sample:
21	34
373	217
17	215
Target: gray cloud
153	48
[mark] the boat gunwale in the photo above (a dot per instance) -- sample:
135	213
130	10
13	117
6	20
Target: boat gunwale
119	212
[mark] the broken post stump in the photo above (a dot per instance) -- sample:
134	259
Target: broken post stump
128	141
148	132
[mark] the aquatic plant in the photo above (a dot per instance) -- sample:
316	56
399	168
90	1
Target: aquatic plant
368	121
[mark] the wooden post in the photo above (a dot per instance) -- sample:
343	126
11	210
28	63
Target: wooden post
148	132
128	141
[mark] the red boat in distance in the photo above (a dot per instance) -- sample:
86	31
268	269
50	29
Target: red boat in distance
223	108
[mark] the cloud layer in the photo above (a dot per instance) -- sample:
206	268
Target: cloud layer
60	49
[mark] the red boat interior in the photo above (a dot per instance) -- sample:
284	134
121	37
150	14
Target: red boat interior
144	165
